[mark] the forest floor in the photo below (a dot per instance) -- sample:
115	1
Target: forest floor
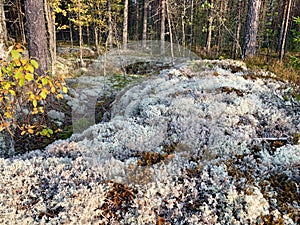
202	142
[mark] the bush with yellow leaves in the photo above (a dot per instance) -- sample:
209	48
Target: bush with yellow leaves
24	94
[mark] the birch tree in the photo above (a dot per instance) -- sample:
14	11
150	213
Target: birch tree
125	25
162	27
145	22
284	28
3	33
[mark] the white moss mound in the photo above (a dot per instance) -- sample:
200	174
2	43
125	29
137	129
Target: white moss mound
206	142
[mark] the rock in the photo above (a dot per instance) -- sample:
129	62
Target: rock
6	145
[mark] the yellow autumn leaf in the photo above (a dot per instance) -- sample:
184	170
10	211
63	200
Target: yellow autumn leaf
8	115
24	61
12	92
59	96
29	68
30	131
53	89
34	103
41	109
65	90
29	76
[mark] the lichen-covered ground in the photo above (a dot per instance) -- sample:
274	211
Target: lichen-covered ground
206	142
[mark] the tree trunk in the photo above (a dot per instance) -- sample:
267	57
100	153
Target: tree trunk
236	46
145	23
251	30
125	25
170	31
220	27
36	33
284	29
71	34
209	28
52	35
3	33
109	25
191	26
80	33
21	21
137	20
183	16
162	28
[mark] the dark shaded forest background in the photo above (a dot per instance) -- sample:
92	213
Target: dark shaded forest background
214	28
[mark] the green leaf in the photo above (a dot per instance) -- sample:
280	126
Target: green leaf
43	94
45	81
15	54
21	82
34	63
18	75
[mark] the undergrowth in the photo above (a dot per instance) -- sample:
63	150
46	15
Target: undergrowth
283	69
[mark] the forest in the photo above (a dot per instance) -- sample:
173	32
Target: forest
213	29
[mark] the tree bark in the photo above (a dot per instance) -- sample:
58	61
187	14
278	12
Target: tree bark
109	25
162	27
21	21
52	35
170	31
80	33
209	28
236	45
137	20
36	33
125	25
284	29
3	33
145	23
251	30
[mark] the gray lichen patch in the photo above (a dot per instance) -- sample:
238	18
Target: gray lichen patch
201	143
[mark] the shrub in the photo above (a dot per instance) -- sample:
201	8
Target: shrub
24	94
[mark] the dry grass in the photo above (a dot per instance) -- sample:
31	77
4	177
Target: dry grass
283	69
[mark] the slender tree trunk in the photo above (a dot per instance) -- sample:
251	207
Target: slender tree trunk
183	15
282	25
88	35
80	33
125	25
21	21
220	28
145	22
236	46
71	34
96	39
251	30
191	26
284	29
209	28
52	35
170	31
3	33
137	20
162	27
109	24
36	33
